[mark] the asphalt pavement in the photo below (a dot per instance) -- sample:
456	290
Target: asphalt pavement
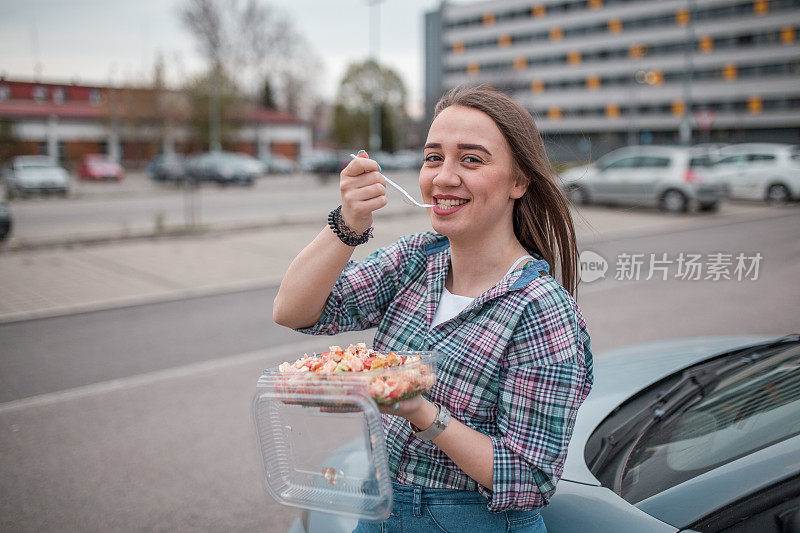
142	425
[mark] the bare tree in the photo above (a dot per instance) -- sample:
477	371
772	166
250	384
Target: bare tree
247	40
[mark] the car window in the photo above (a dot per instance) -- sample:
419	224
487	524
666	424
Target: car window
700	162
760	157
625	162
732	159
653	162
751	409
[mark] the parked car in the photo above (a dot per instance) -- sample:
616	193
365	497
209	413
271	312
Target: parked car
324	162
166	167
100	167
5	220
760	171
697	434
224	168
672	178
28	174
277	164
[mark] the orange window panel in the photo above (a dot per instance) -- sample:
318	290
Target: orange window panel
574	57
730	72
556	33
636	51
615	26
678	108
682	17
538	11
788	35
612	110
473	69
761	7
755	105
537	86
504	41
489	19
706	44
554	113
459	47
594	5
593	83
520	63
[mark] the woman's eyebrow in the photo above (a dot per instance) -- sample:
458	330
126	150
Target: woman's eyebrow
461	146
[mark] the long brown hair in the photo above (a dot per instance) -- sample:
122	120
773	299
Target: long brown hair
542	220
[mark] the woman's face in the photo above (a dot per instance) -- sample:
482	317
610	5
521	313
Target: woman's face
469	174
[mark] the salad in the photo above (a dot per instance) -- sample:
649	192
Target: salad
388	377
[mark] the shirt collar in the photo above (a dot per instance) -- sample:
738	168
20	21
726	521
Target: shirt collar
438	253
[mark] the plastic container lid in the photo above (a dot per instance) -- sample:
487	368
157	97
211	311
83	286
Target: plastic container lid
321	437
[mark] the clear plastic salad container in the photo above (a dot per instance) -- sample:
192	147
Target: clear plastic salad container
321	438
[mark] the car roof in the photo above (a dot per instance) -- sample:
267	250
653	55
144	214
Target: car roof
621	373
747	147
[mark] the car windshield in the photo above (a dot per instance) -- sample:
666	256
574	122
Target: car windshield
34	163
754	407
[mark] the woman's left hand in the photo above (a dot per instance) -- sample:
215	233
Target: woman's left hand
418	410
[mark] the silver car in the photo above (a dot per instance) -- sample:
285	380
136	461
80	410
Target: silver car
34	174
760	171
699	434
672	178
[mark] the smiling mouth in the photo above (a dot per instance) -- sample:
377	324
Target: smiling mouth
449	203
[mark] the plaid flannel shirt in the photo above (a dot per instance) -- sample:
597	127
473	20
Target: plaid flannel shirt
516	364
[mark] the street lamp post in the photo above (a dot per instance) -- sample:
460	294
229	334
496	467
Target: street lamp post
374	41
685	133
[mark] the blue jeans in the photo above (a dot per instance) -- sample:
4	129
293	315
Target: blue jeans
422	510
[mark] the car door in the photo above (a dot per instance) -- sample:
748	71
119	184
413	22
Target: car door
730	171
647	177
614	177
758	170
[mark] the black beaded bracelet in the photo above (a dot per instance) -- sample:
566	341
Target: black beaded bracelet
345	234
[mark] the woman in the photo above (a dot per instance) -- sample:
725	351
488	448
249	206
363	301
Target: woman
482	450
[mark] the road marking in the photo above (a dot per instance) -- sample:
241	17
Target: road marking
157	376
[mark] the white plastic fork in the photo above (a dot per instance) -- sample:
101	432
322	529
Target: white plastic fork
407	198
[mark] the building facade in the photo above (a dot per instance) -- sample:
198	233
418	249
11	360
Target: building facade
68	121
599	74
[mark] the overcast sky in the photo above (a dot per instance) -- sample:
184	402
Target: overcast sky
95	41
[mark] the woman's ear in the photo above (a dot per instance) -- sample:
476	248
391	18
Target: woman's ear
520	185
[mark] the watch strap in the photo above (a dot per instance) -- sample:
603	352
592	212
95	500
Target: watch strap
439	425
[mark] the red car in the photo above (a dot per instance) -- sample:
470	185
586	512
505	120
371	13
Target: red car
100	167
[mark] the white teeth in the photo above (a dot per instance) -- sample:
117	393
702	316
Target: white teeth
449	204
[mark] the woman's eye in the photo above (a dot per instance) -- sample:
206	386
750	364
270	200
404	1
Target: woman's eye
432	158
472	159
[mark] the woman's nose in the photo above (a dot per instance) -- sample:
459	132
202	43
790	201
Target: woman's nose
447	176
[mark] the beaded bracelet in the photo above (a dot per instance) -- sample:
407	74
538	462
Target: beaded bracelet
345	234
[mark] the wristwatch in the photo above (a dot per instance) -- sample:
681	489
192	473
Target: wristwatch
439	424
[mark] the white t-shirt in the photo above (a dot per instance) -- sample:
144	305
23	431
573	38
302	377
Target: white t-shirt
451	304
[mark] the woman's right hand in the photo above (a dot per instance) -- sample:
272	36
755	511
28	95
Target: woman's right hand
363	192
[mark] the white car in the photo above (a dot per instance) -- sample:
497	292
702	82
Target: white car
32	173
760	171
672	178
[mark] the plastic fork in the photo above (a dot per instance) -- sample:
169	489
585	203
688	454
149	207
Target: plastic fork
407	198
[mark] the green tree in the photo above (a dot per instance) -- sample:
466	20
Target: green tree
267	100
354	102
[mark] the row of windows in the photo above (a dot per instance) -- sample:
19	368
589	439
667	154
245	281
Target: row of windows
613	110
728	72
42	93
617	25
704	44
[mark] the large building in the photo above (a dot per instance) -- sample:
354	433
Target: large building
67	121
598	74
